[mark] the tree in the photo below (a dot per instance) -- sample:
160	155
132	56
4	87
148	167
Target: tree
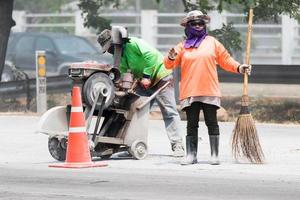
228	35
6	22
263	10
267	9
91	11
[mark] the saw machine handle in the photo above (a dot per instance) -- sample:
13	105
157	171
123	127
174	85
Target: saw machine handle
139	107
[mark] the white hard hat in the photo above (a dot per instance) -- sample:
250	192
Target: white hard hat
193	15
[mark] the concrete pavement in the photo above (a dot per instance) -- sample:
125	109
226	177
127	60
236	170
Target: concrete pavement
24	171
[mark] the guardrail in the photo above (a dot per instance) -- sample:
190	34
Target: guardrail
271	41
21	88
268	74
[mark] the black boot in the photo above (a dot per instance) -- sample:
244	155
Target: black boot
191	150
214	149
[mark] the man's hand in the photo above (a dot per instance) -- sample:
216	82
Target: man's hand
145	82
172	54
244	68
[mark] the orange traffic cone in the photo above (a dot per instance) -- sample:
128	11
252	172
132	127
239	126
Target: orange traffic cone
78	152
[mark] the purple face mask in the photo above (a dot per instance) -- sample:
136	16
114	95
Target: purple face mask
194	37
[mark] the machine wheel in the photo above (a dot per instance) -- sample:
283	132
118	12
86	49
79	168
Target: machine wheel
56	149
93	84
138	150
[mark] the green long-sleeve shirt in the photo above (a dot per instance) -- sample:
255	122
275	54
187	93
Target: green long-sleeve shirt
143	60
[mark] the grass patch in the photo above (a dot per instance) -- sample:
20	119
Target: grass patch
20	104
266	109
263	109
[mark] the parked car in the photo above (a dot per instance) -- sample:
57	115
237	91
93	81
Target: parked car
61	50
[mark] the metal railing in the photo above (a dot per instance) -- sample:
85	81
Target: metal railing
273	43
27	88
267	74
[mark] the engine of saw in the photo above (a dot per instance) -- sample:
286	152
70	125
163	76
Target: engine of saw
102	79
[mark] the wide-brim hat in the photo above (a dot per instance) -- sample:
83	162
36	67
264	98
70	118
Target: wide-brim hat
105	40
194	15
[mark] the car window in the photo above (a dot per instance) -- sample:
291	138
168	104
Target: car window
44	43
25	44
73	45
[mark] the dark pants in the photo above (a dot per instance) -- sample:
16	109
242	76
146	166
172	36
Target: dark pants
210	118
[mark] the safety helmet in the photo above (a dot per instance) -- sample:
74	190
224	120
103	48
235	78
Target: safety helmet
194	15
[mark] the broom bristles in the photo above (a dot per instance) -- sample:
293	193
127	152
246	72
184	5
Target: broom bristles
245	141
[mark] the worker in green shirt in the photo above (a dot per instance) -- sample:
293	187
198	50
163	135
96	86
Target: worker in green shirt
146	64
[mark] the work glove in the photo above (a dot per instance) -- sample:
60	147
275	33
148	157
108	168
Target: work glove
145	82
172	54
244	68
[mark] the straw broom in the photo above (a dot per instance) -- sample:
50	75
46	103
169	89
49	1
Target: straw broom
245	141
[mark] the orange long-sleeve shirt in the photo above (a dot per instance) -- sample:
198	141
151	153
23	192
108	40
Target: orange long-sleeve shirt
199	75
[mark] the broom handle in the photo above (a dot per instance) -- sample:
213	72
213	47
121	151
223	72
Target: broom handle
248	47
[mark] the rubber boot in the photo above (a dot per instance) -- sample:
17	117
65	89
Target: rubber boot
191	150
214	149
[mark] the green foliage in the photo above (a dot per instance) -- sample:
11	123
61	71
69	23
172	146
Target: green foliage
91	11
246	4
228	36
267	9
203	5
263	10
270	9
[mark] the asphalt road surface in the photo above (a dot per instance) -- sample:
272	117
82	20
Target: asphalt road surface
24	171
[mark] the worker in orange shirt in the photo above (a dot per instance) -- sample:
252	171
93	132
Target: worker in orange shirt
198	56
